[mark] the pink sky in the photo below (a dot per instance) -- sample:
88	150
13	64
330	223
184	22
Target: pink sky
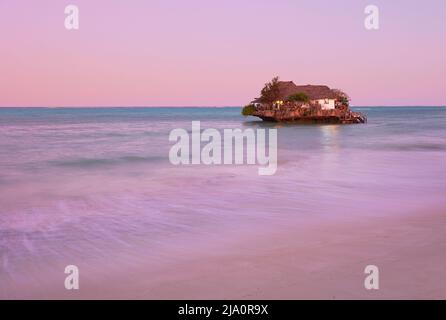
218	52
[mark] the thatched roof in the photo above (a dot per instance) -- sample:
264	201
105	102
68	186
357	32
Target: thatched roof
316	92
288	88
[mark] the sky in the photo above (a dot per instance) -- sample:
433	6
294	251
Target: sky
218	52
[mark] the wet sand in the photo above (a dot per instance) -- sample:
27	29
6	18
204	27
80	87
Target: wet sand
324	261
321	260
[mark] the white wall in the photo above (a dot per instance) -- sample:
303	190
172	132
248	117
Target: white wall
327	104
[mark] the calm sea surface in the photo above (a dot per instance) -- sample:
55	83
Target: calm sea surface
86	185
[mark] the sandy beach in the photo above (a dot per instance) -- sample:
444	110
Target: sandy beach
323	261
316	261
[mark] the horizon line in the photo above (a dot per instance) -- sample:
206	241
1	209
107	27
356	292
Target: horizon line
210	106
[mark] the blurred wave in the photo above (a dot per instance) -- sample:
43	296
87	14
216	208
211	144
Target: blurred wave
79	184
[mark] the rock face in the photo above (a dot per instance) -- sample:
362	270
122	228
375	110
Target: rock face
309	114
284	101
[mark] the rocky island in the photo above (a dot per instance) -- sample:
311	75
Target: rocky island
284	101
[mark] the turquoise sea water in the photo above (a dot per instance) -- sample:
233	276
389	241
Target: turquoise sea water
82	185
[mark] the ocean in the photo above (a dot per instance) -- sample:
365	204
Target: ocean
94	186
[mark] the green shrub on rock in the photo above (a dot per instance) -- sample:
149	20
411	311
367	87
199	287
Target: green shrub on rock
248	110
